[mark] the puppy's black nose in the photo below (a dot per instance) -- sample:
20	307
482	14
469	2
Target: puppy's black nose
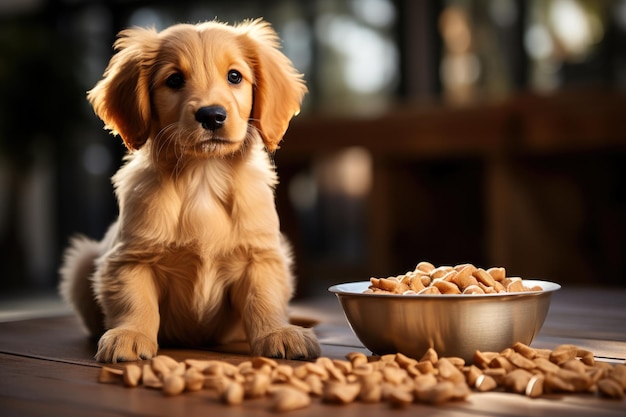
211	117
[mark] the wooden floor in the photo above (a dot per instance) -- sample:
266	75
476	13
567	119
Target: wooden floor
47	368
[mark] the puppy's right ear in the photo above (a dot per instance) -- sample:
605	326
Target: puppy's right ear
122	98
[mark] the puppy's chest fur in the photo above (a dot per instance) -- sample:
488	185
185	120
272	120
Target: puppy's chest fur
217	204
197	230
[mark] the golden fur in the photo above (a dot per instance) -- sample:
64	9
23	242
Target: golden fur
196	256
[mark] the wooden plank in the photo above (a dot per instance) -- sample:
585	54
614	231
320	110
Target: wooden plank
72	390
414	132
47	368
575	120
586	316
593	318
55	338
34	387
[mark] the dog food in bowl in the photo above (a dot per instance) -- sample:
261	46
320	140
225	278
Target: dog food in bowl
459	279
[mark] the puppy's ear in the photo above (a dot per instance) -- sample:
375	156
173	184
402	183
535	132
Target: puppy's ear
122	98
278	87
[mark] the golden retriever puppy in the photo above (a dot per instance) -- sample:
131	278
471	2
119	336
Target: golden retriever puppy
195	257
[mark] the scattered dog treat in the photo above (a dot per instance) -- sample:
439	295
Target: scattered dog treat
395	379
459	279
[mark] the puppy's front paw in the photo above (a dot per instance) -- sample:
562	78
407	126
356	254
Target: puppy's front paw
289	342
120	345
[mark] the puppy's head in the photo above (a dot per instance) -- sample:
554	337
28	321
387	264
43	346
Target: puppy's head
198	89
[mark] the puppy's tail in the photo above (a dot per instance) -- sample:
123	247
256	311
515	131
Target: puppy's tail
76	282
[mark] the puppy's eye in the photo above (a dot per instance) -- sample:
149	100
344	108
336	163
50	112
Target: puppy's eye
175	81
234	77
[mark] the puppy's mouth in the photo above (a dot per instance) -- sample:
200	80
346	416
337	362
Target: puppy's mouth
214	144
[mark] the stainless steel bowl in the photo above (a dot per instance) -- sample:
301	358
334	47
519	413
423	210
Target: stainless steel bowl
454	325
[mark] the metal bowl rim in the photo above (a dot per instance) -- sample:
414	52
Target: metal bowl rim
357	288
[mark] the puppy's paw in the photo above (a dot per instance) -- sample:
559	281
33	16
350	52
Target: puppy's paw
289	342
121	345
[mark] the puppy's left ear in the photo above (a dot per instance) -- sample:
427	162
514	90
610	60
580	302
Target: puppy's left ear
278	86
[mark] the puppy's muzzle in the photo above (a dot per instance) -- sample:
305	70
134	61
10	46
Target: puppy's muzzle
211	117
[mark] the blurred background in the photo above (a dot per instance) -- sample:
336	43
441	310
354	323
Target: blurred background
482	131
